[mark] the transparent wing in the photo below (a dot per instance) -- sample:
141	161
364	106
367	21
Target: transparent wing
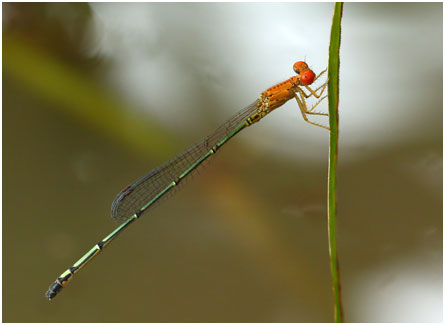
133	197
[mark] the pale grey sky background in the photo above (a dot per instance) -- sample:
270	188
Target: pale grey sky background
391	65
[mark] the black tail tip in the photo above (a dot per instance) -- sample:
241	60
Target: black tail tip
53	290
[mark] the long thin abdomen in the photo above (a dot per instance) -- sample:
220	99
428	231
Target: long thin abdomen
133	197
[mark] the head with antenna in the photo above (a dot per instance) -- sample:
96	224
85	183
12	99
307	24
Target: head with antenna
304	73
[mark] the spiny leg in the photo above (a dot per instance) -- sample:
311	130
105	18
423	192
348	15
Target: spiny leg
303	108
310	111
320	74
314	92
300	104
316	104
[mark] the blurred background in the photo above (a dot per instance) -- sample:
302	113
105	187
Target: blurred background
96	95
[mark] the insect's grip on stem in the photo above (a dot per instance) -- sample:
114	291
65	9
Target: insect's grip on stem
163	181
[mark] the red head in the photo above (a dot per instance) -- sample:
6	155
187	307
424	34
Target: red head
305	75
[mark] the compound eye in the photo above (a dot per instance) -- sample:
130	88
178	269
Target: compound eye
307	77
300	66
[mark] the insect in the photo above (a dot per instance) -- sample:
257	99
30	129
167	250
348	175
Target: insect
164	181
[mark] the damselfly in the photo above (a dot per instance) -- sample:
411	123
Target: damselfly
163	181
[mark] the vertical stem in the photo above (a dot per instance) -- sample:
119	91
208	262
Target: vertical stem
333	90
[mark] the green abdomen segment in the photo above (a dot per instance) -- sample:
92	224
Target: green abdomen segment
157	185
145	191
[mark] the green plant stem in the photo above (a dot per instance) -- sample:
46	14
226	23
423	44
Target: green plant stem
333	90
